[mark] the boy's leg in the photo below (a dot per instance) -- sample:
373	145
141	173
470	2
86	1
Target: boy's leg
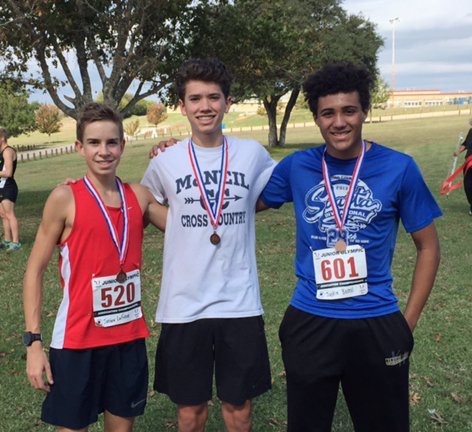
376	382
12	221
62	429
468	187
72	403
242	368
5	223
237	418
115	423
192	418
312	351
184	370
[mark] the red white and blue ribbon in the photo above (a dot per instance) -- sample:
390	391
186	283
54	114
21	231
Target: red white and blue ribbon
121	247
214	212
340	219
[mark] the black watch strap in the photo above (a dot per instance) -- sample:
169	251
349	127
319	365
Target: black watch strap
29	338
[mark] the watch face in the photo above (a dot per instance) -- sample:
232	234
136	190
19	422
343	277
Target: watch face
29	338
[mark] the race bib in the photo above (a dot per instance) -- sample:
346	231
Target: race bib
340	275
116	303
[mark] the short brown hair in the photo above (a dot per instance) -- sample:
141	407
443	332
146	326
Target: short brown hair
95	111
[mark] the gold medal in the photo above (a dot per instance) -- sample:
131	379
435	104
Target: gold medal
215	239
121	276
340	246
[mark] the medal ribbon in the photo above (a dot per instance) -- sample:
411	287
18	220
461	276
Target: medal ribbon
122	247
340	220
215	213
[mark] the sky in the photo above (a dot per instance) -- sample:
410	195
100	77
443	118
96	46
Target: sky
433	42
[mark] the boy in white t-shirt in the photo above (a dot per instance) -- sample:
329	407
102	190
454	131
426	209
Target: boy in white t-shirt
209	303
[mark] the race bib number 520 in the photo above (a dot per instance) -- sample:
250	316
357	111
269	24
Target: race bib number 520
114	302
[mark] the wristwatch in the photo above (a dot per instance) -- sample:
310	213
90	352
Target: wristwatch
29	338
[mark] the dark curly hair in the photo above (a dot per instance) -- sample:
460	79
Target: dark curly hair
338	78
207	70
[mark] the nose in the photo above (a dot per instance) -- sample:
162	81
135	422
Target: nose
103	149
339	120
205	104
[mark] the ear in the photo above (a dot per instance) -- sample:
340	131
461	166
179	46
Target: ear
183	110
229	102
78	146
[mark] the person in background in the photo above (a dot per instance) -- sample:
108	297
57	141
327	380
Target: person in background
8	194
97	357
344	325
467	147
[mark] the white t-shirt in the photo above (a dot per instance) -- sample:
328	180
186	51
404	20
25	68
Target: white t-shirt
201	280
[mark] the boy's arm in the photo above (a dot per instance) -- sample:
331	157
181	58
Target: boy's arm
427	262
153	212
459	150
51	228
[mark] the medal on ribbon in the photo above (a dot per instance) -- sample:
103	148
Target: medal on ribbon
121	247
213	211
340	218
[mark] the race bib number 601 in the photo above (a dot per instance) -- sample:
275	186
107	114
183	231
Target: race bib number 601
340	275
114	302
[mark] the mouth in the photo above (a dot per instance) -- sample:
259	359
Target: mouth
105	162
206	118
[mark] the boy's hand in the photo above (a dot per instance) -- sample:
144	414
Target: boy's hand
36	364
161	147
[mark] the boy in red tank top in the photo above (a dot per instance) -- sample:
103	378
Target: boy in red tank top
97	357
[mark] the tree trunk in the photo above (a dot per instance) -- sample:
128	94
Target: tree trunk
270	106
288	111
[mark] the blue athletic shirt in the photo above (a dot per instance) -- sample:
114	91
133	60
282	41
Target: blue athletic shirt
390	188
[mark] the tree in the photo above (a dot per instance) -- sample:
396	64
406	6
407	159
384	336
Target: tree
132	127
156	113
380	93
16	114
139	109
48	119
279	43
124	42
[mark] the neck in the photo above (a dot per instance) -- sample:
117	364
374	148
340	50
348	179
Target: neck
214	140
106	183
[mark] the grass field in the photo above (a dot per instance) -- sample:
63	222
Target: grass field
441	365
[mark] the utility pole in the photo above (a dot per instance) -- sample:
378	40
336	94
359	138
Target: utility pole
392	84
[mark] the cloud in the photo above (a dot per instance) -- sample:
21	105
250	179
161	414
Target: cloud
432	40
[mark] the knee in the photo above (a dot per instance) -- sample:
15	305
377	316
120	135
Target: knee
192	418
238	418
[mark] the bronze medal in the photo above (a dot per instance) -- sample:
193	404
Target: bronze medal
121	277
340	246
215	239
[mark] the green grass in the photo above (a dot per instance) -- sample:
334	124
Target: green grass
441	366
234	119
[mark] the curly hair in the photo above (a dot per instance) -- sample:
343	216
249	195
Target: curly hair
338	78
207	70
